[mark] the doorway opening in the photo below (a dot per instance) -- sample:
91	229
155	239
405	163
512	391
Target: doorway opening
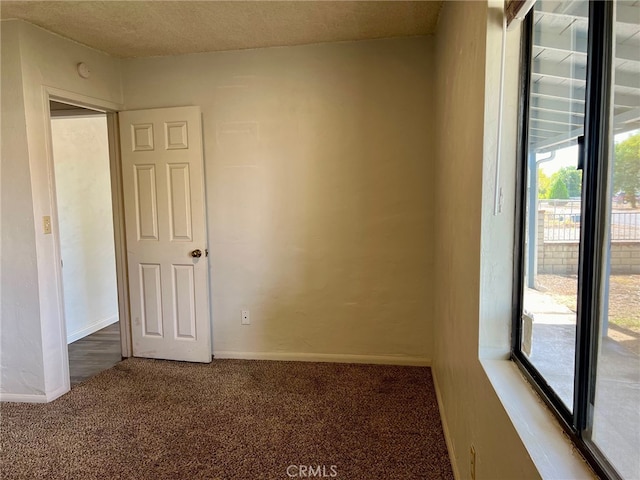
81	159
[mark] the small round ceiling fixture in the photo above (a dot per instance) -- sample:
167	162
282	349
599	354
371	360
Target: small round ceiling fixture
83	70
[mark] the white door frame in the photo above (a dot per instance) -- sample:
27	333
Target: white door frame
110	108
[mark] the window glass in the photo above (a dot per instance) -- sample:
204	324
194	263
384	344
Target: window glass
616	408
554	207
580	230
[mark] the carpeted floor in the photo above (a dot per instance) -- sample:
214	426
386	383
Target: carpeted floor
232	419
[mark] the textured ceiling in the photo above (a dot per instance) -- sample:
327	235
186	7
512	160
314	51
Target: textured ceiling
148	28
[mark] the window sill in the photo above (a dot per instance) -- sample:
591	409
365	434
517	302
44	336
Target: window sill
553	454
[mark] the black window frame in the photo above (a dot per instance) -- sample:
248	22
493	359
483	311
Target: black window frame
595	152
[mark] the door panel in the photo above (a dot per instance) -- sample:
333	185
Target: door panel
151	301
146	205
185	315
179	202
165	220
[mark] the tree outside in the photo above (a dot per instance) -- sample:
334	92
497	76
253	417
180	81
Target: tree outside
626	169
544	182
558	189
567	178
572	178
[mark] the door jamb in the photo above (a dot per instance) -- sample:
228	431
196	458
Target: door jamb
120	239
115	168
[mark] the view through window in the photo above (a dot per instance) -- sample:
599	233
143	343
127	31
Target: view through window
554	235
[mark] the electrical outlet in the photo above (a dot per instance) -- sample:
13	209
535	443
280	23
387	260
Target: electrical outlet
46	225
472	459
246	319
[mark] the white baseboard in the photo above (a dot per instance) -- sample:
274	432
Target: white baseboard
23	397
35	397
327	357
94	327
445	429
59	392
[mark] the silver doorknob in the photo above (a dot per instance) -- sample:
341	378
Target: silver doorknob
196	253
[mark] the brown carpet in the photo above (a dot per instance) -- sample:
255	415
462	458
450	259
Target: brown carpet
232	419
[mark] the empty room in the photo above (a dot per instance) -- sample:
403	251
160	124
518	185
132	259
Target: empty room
320	239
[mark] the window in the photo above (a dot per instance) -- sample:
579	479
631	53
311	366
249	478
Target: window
576	328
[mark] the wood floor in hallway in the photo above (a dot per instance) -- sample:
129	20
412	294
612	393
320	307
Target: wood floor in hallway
94	353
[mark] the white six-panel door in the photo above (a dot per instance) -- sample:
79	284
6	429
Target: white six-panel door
163	183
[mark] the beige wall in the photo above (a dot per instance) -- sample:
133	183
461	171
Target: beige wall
473	246
20	315
319	175
38	60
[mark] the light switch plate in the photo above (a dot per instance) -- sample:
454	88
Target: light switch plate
46	225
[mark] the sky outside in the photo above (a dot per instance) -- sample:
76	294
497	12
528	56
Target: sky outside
568	157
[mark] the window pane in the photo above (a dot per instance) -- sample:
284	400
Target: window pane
556	120
616	413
